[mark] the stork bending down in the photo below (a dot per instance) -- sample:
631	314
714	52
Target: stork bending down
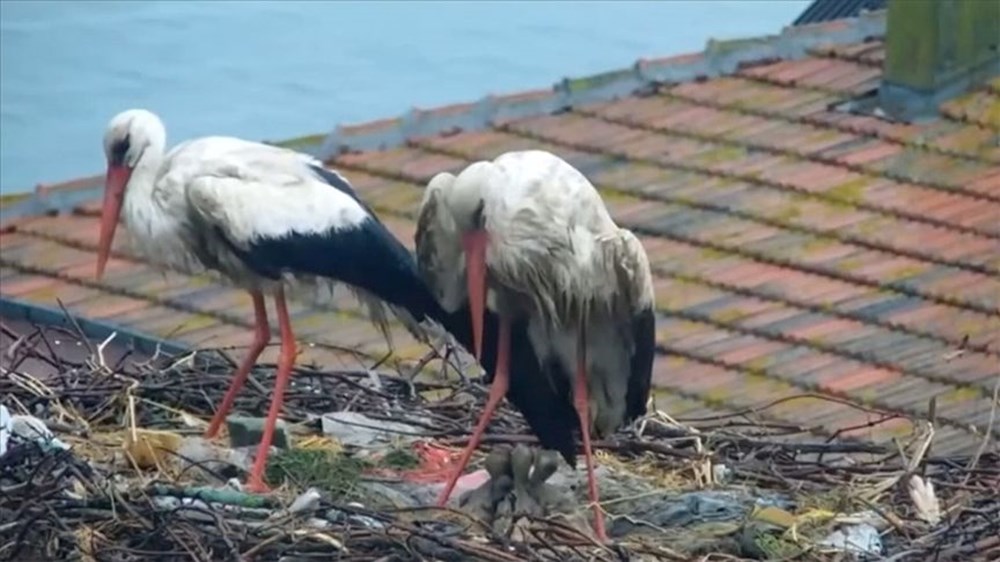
534	230
265	218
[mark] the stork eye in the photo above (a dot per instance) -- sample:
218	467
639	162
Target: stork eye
477	216
118	151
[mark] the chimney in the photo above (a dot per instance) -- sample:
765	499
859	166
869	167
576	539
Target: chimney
936	50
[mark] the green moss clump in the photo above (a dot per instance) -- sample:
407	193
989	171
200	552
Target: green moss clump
849	193
400	459
303	468
774	547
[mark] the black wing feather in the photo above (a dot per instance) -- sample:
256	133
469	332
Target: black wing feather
548	411
641	372
366	256
336	181
370	257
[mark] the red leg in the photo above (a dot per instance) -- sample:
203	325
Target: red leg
580	401
497	391
256	481
261	337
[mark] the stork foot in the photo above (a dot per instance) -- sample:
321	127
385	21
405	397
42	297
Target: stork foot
256	485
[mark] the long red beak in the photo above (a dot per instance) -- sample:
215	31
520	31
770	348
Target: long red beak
114	194
475	271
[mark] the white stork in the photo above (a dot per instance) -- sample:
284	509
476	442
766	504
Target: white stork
264	217
536	232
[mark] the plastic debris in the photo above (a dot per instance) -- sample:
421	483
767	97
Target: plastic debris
705	506
306	502
862	517
774	516
201	454
4	429
357	429
15	429
211	494
856	539
341	516
248	431
150	448
721	473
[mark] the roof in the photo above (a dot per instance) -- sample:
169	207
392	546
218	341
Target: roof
798	250
828	10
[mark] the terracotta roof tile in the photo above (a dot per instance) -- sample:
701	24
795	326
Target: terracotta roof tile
104	306
23	286
167	325
796	248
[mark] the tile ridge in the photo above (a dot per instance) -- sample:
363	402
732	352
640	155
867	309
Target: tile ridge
65	196
15	307
817	121
695	278
720	57
867	170
158	299
662	349
173	304
58	197
743	214
898	287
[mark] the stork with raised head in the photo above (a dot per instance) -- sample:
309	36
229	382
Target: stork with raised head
533	229
265	218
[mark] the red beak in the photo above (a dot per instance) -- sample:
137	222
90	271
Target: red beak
475	270
114	194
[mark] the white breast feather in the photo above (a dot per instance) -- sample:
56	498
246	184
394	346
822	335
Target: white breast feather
160	234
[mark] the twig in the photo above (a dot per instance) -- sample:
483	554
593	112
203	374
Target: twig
52	495
989	429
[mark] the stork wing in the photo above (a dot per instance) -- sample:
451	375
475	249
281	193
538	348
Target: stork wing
636	308
641	363
281	215
250	206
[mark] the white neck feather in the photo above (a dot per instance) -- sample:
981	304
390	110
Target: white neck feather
150	219
141	209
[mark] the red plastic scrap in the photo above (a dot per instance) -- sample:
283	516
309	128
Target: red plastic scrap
435	463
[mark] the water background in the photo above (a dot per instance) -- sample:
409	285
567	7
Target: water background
270	70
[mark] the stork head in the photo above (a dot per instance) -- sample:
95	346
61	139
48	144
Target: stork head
466	202
442	258
128	137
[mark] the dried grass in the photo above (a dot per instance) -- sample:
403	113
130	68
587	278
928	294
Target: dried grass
88	505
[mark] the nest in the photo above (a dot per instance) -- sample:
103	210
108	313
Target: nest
78	504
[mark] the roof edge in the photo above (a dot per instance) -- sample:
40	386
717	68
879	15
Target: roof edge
56	197
719	57
63	197
40	314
